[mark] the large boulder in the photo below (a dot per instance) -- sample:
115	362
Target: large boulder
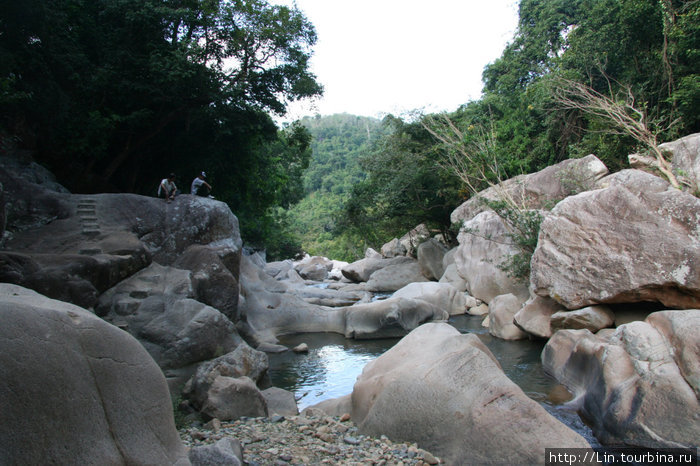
157	306
215	273
314	268
447	392
639	386
221	388
271	308
501	311
483	245
413	238
393	248
441	295
430	255
390	318
634	240
394	277
77	390
538	190
535	317
361	270
684	155
78	246
592	318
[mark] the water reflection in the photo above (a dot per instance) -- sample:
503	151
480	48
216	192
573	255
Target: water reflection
333	363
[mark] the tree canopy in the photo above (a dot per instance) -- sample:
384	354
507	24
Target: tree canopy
113	94
647	49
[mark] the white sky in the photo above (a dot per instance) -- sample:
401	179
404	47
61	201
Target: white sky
392	56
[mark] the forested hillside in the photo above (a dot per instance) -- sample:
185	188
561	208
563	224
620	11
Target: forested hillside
338	145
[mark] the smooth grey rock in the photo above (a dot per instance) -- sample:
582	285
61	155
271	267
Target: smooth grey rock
442	295
501	311
77	390
483	245
631	386
592	318
225	452
395	277
430	255
535	316
435	383
538	190
281	402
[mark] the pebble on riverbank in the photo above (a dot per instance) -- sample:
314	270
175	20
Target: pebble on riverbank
310	438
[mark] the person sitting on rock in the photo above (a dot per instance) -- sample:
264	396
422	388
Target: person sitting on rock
167	188
199	186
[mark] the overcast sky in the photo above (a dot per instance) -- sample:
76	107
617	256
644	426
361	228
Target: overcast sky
391	56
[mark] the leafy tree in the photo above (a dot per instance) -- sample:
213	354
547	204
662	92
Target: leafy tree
339	141
112	94
404	187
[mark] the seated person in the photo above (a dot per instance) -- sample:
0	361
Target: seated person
199	186
167	188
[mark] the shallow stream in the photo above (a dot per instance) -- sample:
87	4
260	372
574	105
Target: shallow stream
333	363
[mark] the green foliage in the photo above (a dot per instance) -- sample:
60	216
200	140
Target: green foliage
111	95
405	187
524	229
339	141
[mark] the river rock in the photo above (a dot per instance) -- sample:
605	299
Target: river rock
442	295
395	277
215	273
340	406
231	398
430	255
437	383
536	314
156	305
279	269
538	190
593	318
634	240
413	238
393	248
684	158
226	451
390	318
631	388
483	245
360	271
271	308
314	268
501	311
244	361
77	390
280	402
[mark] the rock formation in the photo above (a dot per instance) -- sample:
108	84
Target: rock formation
77	390
446	391
639	386
635	240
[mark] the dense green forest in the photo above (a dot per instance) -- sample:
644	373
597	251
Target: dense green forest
113	94
339	144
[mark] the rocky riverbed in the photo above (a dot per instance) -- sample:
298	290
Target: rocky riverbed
310	438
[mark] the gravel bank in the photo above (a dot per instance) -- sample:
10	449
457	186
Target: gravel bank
310	438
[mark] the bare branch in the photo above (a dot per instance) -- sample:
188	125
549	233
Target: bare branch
623	113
